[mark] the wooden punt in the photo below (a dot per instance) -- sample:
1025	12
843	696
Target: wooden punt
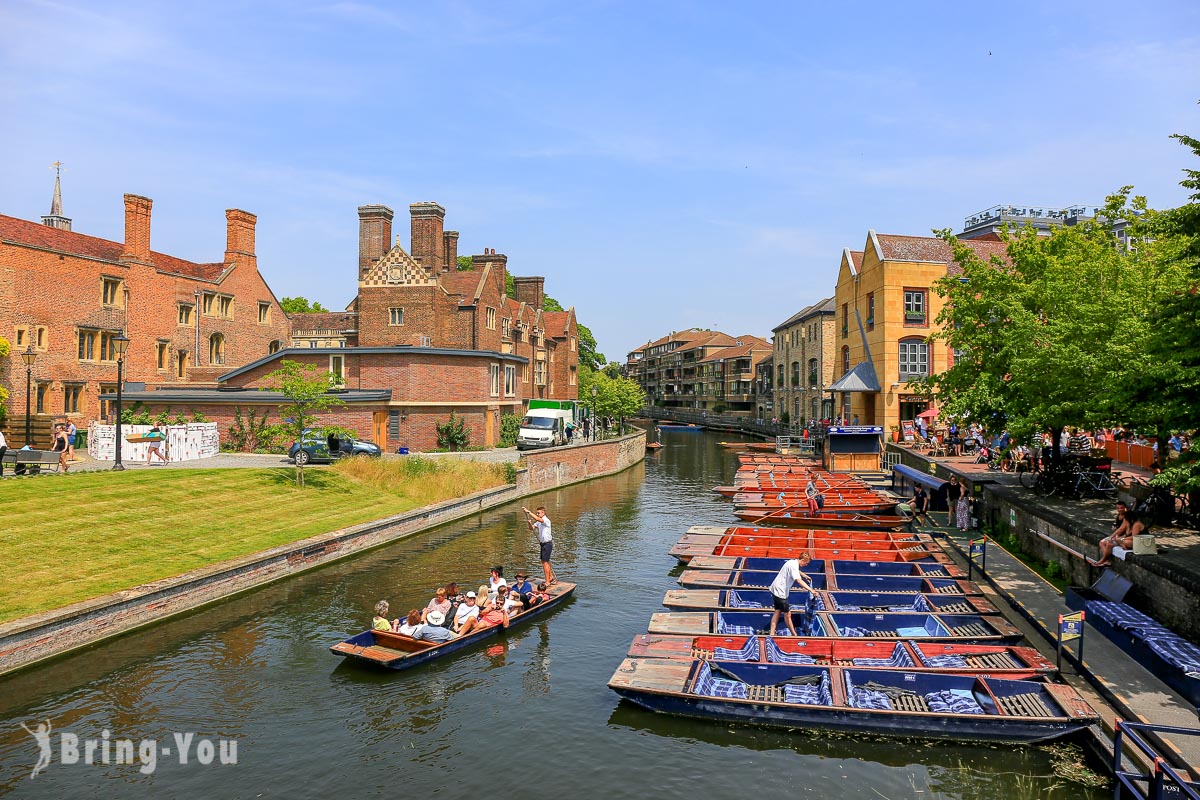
857	701
746	599
793	517
396	651
961	628
1020	663
831	580
931	568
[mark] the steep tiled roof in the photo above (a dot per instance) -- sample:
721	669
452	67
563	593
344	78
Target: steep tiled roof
325	321
931	249
22	231
556	323
749	345
856	256
464	283
690	335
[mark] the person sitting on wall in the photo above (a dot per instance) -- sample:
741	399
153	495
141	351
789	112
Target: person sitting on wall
1129	524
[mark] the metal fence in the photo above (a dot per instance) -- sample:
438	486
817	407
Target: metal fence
737	424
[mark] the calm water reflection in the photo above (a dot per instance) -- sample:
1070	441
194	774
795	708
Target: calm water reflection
529	715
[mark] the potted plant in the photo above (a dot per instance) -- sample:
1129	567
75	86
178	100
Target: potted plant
895	433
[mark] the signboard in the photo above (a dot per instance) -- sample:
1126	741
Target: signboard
976	549
1070	626
878	429
1012	518
907	428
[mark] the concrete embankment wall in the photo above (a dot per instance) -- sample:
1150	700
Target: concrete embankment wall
1167	595
32	639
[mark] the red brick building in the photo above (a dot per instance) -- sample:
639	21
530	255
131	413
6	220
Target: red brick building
420	340
68	295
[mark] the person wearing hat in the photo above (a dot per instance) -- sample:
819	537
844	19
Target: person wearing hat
468	609
433	630
522	586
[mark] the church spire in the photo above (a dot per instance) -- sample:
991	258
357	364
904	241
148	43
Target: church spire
55	218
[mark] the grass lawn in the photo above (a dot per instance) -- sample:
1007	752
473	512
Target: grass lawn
69	538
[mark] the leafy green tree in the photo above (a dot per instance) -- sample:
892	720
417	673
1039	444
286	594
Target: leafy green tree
306	389
300	305
510	426
1047	336
465	264
615	397
612	369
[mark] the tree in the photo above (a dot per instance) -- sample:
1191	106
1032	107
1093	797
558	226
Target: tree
615	397
306	387
588	354
465	264
300	305
1047	336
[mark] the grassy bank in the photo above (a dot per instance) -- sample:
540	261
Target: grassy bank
67	539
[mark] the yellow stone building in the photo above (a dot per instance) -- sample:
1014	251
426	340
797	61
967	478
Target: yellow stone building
889	290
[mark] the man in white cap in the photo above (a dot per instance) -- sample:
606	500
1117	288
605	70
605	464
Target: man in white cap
465	611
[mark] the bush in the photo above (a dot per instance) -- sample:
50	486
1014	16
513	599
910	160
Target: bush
251	434
785	418
510	425
454	434
510	472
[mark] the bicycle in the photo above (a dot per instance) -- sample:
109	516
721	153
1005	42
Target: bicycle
1094	483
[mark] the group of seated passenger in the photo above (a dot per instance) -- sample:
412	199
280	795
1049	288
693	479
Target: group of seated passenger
451	614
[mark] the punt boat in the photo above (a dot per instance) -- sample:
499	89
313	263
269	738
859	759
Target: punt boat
1021	663
834	581
794	517
888	602
397	651
929	567
895	703
960	628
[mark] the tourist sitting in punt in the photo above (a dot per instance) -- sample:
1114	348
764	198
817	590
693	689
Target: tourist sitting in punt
411	623
440	603
538	596
380	623
521	585
509	601
496	581
467	609
489	614
434	629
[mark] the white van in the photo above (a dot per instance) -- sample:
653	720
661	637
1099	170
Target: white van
543	427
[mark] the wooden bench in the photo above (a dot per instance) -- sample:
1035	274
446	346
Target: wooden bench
31	462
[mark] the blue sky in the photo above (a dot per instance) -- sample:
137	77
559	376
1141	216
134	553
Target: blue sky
663	164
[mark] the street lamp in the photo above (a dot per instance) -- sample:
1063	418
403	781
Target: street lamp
120	344
29	356
595	433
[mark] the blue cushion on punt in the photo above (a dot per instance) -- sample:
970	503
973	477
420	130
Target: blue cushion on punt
944	662
921	604
817	603
909	633
737	601
728	629
748	652
709	686
865	698
853	633
778	656
818	695
899	658
953	701
1178	652
1126	618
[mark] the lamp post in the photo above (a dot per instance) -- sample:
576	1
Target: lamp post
595	433
29	356
120	344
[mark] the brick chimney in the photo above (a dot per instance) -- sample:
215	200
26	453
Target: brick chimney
374	235
450	247
137	229
529	290
428	243
239	237
499	263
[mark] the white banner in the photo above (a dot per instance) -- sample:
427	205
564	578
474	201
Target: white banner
189	442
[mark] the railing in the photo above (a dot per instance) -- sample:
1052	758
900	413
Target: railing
744	424
1163	780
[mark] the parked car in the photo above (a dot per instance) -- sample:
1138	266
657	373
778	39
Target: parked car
317	446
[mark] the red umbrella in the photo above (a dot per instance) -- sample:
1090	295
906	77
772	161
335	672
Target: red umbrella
929	413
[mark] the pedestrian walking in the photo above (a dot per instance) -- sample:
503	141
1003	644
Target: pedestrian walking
158	439
954	491
72	432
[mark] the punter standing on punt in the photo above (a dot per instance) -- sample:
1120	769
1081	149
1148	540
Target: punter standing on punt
781	587
538	521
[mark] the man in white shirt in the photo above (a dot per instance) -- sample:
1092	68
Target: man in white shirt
781	587
466	610
538	521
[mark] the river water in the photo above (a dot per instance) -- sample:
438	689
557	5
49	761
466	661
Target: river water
530	716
